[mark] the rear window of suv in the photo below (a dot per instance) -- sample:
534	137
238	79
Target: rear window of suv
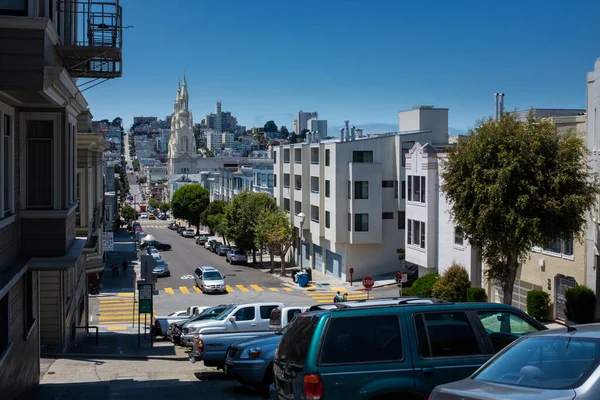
294	345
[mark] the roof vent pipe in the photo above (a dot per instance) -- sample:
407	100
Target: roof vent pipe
347	130
353	133
341	134
501	106
496	106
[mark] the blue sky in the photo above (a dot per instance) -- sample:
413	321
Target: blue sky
350	59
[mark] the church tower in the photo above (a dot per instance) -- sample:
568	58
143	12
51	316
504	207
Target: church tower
182	143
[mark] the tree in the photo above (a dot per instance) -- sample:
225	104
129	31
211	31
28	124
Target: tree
513	185
117	121
293	138
164	207
241	216
153	203
189	202
210	216
128	213
303	134
283	131
143	179
270	126
274	230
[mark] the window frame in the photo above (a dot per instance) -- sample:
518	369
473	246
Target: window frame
356	224
327	219
7	114
361	190
401	221
327	188
458	231
327	157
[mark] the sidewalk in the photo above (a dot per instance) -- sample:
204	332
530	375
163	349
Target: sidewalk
124	249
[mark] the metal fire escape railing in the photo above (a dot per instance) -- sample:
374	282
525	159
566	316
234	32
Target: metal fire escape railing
92	35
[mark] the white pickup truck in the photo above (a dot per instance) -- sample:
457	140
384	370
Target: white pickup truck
161	324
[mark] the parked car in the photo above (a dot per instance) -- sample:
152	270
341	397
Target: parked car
175	330
208	245
393	351
163	217
189	328
161	324
188	233
223	250
555	364
237	256
143	215
412	274
151	250
202	239
215	247
173	226
180	229
210	280
152	217
162	268
156	244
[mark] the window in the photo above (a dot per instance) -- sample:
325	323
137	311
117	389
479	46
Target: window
298	156
14	7
39	174
327	188
245	314
387	215
401	220
380	338
314	155
362	156
286	204
7	165
445	334
546	363
403	189
349	189
327	219
275	157
314	184
298	182
387	184
29	299
361	190
361	222
504	327
297	207
404	153
327	157
349	221
286	180
5	325
416	233
274	180
395	189
459	236
286	156
294	345
416	188
265	311
560	246
314	213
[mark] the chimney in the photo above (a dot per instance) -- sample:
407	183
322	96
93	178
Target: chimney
347	131
308	137
501	106
353	133
496	106
341	134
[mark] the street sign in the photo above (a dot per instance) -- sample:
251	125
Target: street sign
145	292
368	282
404	278
145	304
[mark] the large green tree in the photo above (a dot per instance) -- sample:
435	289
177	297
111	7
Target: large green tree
128	213
189	202
274	230
213	217
241	216
270	126
154	203
164	207
513	185
283	131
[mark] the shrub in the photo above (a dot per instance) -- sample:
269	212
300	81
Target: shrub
538	303
476	295
453	285
423	286
581	305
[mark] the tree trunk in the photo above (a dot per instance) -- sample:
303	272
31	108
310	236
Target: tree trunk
261	255
254	256
272	259
282	253
512	264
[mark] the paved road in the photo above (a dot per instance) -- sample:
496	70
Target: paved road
105	379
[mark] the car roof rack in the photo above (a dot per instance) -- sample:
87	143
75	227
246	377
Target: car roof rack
380	302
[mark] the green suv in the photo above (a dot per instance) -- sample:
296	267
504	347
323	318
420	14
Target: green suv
399	351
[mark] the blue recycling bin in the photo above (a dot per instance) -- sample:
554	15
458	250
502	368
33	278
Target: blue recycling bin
302	279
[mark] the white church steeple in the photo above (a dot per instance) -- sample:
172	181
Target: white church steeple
182	143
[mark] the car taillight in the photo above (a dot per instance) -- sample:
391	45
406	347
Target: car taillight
200	346
313	387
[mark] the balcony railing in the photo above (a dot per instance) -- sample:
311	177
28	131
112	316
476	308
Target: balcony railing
93	37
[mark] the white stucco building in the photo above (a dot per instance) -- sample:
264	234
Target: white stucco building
182	144
350	191
214	140
227	140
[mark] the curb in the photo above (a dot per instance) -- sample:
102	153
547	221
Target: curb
115	356
379	286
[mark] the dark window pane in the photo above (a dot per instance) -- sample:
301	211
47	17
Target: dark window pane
451	334
245	314
387	215
265	311
294	345
379	336
39	173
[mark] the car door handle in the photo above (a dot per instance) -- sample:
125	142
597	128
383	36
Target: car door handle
252	324
428	371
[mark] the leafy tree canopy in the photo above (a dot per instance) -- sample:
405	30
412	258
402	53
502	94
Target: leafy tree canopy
513	185
164	207
283	131
189	202
241	216
273	229
270	126
117	121
215	208
128	213
293	138
153	203
143	179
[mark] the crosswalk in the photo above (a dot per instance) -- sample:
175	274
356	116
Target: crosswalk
327	296
229	288
119	310
154	226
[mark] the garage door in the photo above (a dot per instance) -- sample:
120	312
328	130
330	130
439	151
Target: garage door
333	264
318	257
305	255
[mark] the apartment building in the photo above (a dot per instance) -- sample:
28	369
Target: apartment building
227	140
214	140
231	179
42	271
351	194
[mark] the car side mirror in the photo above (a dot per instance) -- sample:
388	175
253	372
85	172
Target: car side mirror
232	318
224	277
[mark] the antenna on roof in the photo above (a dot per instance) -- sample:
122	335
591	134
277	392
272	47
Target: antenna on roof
570	328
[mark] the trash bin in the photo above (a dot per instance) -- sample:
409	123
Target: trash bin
302	279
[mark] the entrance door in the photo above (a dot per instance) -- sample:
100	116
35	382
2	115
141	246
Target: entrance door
333	264
561	285
318	257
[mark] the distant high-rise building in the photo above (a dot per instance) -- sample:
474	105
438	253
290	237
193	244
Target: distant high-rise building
303	118
221	121
318	125
144	120
296	126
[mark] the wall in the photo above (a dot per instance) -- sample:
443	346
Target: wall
50	310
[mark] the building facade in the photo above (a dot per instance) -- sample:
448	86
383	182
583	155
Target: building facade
303	118
182	144
318	125
43	286
349	191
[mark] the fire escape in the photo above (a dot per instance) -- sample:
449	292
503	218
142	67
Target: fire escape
93	33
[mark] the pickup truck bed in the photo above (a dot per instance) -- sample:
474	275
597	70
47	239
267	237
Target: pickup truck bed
212	347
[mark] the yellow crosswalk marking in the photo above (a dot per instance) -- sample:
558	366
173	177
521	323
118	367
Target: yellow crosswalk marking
197	289
242	288
184	290
273	289
327	297
229	289
257	288
169	290
287	289
116	328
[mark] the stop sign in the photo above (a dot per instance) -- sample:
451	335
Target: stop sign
368	282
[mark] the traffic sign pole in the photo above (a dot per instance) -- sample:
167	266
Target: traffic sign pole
368	283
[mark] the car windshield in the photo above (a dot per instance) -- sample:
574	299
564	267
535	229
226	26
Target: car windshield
209	313
545	362
225	313
212	276
160	263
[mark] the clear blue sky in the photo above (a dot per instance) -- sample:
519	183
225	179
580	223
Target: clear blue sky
349	59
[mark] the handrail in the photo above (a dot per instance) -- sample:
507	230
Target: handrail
87	328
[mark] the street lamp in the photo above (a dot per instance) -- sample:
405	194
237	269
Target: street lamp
302	216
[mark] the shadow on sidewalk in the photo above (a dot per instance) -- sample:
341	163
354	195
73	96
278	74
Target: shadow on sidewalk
124	249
